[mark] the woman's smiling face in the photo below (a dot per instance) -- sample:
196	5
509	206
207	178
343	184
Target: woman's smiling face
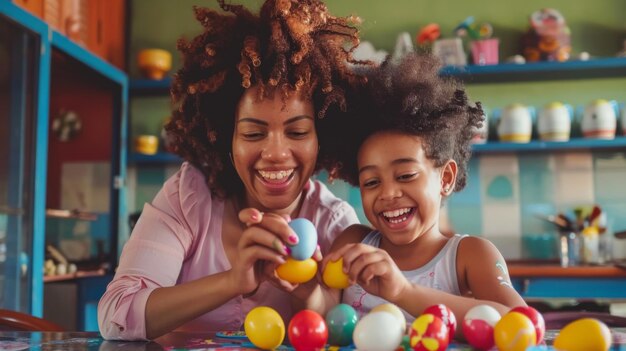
274	149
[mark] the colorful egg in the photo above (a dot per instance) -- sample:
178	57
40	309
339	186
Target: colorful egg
307	239
588	334
377	331
307	331
514	332
393	309
446	315
264	327
341	321
478	326
297	272
428	333
536	318
333	275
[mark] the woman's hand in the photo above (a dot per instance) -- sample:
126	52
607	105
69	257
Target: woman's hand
262	247
372	268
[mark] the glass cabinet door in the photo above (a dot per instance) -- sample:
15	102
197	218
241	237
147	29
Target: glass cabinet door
18	109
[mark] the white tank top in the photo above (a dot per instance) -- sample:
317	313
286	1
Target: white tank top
439	273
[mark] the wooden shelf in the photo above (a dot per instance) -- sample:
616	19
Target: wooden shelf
72	276
537	145
539	71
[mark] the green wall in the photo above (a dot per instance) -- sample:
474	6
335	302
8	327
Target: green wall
598	27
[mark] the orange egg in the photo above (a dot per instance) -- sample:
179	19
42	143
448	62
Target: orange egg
297	272
514	332
585	334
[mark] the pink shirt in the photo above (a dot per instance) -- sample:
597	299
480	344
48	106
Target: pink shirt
178	239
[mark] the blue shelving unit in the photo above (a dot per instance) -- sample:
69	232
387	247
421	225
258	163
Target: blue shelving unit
49	41
550	146
539	71
506	72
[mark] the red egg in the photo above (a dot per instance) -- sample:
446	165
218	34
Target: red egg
307	331
446	315
478	333
536	318
428	333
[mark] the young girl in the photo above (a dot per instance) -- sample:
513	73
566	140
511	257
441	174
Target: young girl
411	150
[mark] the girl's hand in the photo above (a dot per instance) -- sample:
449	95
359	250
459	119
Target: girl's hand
262	243
373	269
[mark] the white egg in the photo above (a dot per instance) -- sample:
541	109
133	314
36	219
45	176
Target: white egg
378	331
485	313
393	309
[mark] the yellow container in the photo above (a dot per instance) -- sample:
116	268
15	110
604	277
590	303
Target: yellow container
147	144
154	63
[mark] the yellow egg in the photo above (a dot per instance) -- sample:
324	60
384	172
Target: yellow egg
586	334
264	327
514	332
334	276
395	311
296	272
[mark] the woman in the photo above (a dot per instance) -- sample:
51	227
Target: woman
249	99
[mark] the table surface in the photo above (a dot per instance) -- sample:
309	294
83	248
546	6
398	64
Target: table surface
180	341
525	269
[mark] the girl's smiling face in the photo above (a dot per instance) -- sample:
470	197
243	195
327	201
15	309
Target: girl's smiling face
274	149
401	188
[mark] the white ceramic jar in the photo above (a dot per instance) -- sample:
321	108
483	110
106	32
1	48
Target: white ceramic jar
554	122
515	124
599	119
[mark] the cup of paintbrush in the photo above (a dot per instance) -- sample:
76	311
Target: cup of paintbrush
561	221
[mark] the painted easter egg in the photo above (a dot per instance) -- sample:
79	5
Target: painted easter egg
307	331
428	333
297	272
307	239
341	321
393	309
514	332
446	315
535	317
588	334
377	331
264	327
333	275
478	326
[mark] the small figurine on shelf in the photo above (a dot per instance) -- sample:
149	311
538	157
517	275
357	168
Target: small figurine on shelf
427	35
484	48
404	45
154	63
449	51
548	38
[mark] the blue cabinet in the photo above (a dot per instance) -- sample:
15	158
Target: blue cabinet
43	77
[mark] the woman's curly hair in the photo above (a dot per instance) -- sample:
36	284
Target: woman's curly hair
292	45
409	96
